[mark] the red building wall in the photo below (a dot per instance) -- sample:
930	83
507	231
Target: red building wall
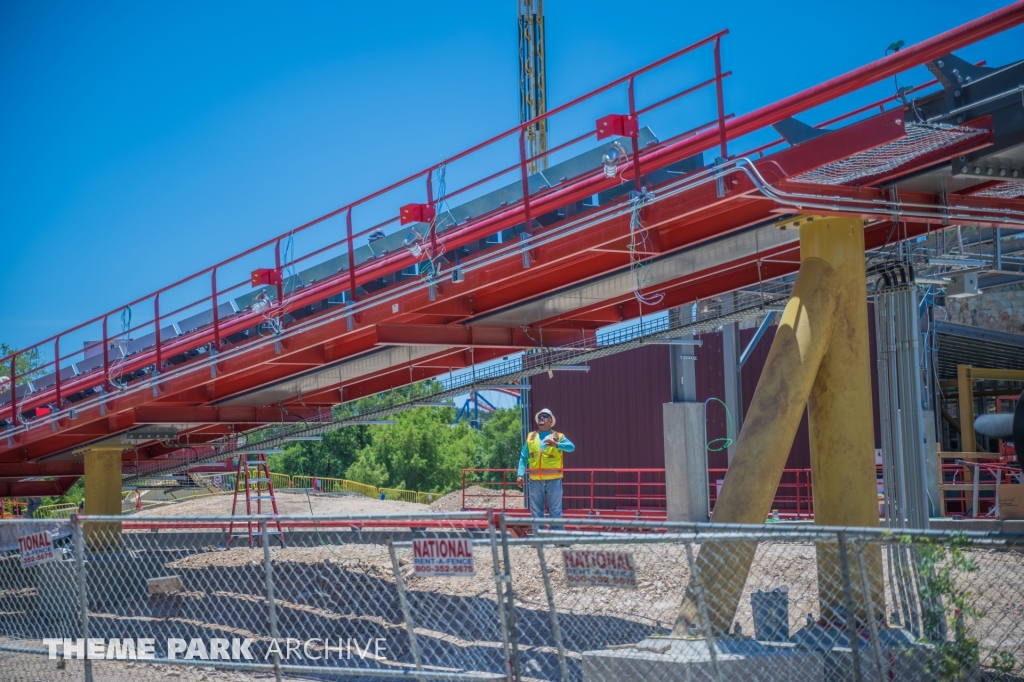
613	413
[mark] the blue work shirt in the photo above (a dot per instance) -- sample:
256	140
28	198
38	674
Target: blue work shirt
563	444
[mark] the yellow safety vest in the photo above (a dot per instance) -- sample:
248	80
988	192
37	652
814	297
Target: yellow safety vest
544	463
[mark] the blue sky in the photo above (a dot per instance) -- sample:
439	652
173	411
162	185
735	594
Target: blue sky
144	141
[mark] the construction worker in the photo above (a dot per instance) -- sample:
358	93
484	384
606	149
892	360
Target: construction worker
541	457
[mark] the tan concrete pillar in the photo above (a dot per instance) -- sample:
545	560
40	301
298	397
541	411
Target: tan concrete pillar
765	440
820	358
839	412
102	496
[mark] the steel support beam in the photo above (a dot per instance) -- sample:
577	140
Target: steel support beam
224	414
17	472
54	488
476	336
733	380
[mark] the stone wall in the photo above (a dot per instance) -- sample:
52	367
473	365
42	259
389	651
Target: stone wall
999	309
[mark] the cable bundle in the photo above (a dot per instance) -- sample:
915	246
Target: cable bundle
114	375
639	243
434	259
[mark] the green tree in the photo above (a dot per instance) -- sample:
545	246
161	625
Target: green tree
421	451
25	363
501	439
948	606
329	458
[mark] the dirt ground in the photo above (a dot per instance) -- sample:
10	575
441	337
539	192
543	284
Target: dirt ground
17	667
477	496
290	502
293	502
351	588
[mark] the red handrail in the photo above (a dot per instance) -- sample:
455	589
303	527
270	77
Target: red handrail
726	129
410	178
243	321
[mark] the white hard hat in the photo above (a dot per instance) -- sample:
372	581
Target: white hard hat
548	413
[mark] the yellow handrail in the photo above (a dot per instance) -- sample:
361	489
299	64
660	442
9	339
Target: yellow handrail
280	482
334	485
401	495
55	511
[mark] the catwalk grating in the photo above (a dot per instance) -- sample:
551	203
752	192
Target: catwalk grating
921	139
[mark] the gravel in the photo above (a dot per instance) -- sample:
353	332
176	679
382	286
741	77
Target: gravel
290	502
477	496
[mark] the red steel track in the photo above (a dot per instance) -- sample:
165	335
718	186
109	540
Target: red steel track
408	314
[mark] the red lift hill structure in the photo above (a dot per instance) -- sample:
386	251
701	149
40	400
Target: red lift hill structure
497	257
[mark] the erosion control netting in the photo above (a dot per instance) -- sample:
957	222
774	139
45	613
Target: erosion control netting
921	139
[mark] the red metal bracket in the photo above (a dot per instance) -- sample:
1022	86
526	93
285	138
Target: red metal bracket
616	124
268	276
417	213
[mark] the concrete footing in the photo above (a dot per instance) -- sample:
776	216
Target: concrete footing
112	579
902	658
738	659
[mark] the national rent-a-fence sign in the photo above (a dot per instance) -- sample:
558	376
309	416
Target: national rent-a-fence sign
35	548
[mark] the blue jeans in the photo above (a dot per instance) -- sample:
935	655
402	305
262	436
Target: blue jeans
549	491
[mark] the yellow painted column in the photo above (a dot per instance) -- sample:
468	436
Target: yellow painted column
102	496
965	398
840	414
765	440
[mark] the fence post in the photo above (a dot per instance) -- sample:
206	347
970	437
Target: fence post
216	319
872	612
351	256
280	279
433	221
158	365
83	596
722	144
400	585
107	383
634	136
499	580
268	571
525	180
851	615
510	594
555	630
56	367
698	590
14	392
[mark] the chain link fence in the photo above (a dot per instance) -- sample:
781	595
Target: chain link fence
379	597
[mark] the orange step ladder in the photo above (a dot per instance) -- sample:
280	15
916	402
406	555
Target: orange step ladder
253	478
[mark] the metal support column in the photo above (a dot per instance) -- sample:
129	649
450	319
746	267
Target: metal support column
731	349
